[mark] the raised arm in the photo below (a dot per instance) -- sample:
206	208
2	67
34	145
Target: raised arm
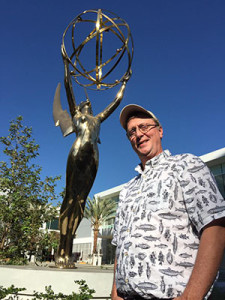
112	106
68	83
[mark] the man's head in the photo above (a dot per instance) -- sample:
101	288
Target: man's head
143	130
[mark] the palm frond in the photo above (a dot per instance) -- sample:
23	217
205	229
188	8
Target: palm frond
99	210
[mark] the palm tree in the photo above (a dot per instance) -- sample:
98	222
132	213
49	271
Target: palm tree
99	211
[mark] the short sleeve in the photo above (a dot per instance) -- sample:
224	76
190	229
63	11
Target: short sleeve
203	201
116	229
118	220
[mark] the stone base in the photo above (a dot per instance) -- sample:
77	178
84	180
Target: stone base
64	262
62	265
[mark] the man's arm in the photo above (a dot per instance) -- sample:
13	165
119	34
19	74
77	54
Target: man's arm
208	260
114	295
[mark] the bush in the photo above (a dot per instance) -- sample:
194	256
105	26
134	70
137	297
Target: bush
6	259
10	290
19	261
84	292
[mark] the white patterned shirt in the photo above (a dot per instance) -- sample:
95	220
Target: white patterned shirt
158	224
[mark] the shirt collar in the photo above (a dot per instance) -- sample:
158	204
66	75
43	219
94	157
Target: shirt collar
151	163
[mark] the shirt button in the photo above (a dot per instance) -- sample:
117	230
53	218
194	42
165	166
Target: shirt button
126	253
126	280
128	230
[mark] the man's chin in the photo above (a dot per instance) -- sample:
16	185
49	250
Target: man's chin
143	149
143	154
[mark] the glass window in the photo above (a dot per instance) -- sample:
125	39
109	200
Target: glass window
219	173
220	179
223	168
54	224
216	170
83	249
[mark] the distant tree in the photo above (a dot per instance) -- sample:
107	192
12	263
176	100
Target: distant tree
48	243
25	199
99	211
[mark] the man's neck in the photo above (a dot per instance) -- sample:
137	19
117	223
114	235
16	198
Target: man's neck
145	159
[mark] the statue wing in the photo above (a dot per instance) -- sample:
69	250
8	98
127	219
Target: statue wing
61	117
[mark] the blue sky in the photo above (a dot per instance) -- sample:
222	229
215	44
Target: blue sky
178	73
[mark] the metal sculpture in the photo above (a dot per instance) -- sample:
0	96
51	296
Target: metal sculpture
83	158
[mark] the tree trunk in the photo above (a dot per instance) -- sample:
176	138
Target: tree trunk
2	243
96	231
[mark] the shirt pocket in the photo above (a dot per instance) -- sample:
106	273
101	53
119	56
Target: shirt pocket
160	195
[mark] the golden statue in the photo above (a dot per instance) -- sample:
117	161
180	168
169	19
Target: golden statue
83	158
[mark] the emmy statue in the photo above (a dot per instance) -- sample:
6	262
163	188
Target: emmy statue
83	158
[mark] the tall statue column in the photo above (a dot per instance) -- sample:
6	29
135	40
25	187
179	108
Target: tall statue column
83	158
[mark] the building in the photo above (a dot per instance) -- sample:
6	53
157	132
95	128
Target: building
216	162
83	243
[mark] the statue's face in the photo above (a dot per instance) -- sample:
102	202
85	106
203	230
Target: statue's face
86	109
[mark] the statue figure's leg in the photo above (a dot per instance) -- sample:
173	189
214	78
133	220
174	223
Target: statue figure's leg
69	220
80	173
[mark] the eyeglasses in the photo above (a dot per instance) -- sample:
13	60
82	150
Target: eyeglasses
144	128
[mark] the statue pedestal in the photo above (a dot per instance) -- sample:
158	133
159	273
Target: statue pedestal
64	262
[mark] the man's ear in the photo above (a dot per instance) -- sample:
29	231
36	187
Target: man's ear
161	132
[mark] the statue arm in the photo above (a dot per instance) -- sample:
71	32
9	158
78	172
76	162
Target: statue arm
112	106
68	83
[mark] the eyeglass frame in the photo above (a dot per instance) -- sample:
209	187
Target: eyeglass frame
140	128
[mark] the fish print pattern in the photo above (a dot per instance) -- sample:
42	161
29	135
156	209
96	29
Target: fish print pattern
148	271
159	217
162	285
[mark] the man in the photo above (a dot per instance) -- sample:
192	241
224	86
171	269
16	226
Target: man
169	228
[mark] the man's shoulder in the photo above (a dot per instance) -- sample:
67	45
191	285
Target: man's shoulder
127	186
184	161
131	182
184	157
187	163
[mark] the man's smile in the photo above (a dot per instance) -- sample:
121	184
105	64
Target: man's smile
141	143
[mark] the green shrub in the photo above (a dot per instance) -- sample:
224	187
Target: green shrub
10	290
9	257
84	292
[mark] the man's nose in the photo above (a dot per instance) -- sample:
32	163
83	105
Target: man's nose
138	132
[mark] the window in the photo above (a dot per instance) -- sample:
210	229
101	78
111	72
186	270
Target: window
84	249
219	173
53	225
